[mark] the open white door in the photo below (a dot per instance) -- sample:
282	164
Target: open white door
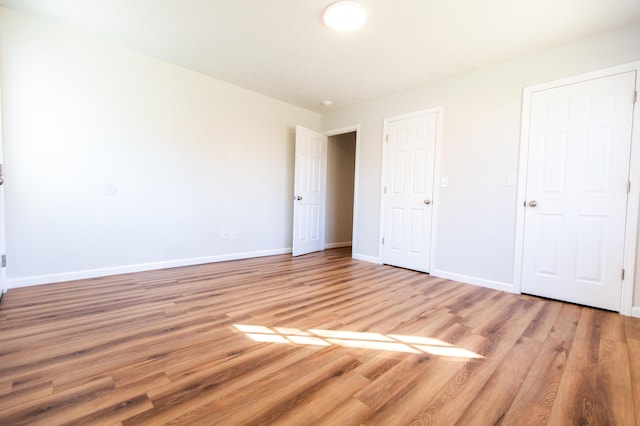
576	190
309	191
408	189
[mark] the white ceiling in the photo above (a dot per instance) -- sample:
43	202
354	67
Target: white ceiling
281	48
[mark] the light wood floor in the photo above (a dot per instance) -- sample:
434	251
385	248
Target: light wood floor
322	339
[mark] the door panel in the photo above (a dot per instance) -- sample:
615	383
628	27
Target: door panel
578	169
550	229
309	191
409	170
591	240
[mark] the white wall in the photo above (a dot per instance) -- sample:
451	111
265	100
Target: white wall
190	156
341	162
475	230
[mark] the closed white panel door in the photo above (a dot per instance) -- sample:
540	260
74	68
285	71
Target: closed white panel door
576	193
408	191
309	191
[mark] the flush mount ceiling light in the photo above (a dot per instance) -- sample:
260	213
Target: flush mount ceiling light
345	15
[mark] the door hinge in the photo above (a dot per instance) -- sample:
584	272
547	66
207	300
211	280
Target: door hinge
628	186
385	190
635	97
622	274
3	260
386	137
382	240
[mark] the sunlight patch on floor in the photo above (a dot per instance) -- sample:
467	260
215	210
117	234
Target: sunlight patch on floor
356	339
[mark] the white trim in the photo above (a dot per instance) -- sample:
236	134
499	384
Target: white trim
340	131
468	279
605	72
364	257
3	229
633	202
436	173
140	267
323	181
337	245
436	189
635	312
343	130
521	193
631	228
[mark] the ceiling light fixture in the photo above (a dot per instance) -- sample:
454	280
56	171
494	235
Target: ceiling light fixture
345	15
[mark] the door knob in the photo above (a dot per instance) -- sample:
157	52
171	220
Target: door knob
298	197
427	201
533	203
1	180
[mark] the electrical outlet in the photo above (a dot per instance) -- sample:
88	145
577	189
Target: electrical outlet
234	235
444	182
223	234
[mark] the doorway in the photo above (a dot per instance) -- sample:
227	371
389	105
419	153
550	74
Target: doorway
577	220
341	168
325	189
409	170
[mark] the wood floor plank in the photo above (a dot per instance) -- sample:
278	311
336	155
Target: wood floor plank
316	406
566	323
44	411
255	397
633	347
5	387
197	393
22	395
534	400
613	383
541	325
574	403
317	339
495	397
350	413
292	392
410	400
632	328
398	379
613	327
467	382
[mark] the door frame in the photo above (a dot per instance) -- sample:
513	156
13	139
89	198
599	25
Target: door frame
340	131
3	232
633	199
436	178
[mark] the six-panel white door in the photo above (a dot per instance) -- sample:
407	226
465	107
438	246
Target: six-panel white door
408	191
309	191
576	191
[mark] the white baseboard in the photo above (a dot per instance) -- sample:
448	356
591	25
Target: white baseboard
125	269
366	258
467	279
337	245
635	312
